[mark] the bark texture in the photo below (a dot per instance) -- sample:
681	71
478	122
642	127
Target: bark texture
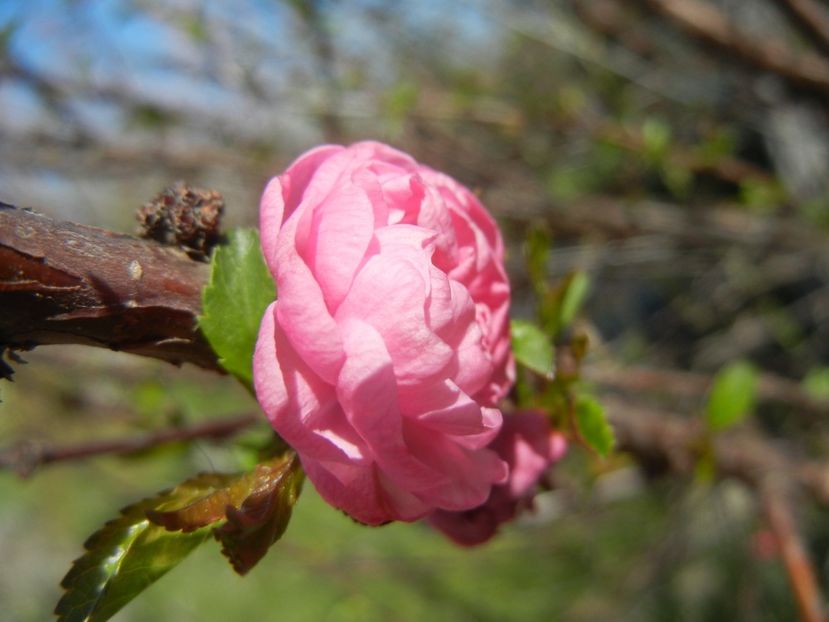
64	283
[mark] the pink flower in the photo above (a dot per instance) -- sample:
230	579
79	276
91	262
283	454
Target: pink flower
530	447
383	359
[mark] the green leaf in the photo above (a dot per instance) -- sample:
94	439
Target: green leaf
537	255
255	508
531	347
239	291
573	297
656	138
816	383
127	555
593	425
400	99
150	117
226	491
249	512
732	395
262	518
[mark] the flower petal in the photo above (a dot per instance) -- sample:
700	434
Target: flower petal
470	473
283	194
304	409
389	293
446	409
302	311
367	390
364	493
343	226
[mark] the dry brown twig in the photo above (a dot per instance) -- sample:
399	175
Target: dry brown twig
26	456
796	560
671	443
690	384
813	19
710	25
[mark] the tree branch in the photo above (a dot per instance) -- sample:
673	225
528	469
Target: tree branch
637	380
813	19
665	443
26	456
707	23
63	283
799	567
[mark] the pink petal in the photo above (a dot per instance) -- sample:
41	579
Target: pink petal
389	293
468	528
471	474
298	175
434	215
444	408
363	493
370	150
302	311
271	211
302	408
527	469
343	226
530	446
367	390
474	362
403	194
267	375
283	194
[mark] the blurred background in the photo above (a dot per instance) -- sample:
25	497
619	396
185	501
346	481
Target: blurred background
676	152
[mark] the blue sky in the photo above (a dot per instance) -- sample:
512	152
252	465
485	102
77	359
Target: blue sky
154	53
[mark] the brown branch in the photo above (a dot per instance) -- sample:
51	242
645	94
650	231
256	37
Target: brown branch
812	19
664	443
63	283
771	388
610	20
799	567
24	457
707	23
727	169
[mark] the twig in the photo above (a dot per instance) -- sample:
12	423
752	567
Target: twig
690	384
24	457
665	443
799	567
610	218
709	24
607	18
727	169
811	17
